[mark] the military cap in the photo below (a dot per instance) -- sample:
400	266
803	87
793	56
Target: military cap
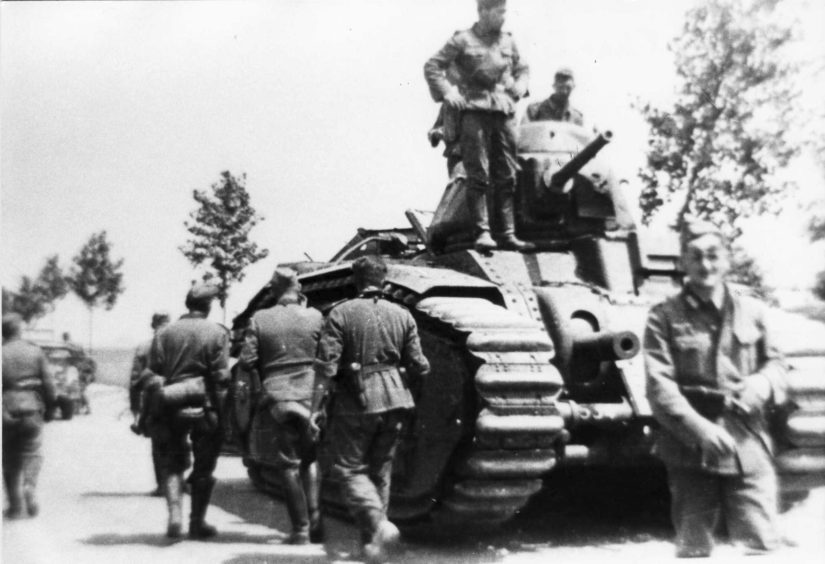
693	228
284	280
369	271
564	72
159	318
490	4
202	291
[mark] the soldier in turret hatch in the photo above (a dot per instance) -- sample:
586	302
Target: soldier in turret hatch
557	106
491	78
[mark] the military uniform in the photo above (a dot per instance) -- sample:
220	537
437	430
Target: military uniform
28	395
489	74
137	381
186	350
554	109
696	353
280	343
367	418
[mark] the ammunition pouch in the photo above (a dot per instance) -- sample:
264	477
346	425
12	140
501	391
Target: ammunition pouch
187	393
20	403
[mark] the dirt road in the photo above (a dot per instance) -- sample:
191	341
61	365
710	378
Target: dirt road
95	508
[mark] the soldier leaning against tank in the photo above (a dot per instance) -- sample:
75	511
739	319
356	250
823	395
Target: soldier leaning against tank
189	358
490	79
28	397
137	398
557	106
279	345
713	375
364	345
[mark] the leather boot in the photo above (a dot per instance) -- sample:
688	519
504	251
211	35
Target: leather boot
201	493
312	491
173	488
14	491
296	505
477	202
506	210
384	540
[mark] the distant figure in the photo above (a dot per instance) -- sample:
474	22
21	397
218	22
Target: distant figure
138	403
557	106
190	355
280	345
28	397
490	79
365	343
713	374
86	368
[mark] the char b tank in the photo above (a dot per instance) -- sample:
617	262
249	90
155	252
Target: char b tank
535	364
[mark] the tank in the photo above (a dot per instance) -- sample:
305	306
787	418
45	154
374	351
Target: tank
535	364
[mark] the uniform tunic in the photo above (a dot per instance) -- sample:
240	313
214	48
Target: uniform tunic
280	343
380	336
189	348
553	109
689	342
489	73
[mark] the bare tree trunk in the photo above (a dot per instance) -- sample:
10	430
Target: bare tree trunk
91	314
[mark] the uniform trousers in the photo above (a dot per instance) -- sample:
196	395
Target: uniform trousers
488	150
22	458
361	448
174	452
746	502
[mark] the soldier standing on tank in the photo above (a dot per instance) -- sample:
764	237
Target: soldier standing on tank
557	106
490	79
28	396
713	374
279	345
365	344
137	382
190	355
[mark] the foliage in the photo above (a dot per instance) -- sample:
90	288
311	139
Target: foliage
94	277
744	270
817	230
220	229
725	140
36	297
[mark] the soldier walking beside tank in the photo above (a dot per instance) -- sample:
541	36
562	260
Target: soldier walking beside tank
138	399
490	79
557	106
190	355
279	347
28	395
713	375
365	345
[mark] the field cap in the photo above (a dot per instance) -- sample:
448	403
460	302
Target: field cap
202	291
564	72
284	280
692	229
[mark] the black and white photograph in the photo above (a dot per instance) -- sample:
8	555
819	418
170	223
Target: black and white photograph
412	281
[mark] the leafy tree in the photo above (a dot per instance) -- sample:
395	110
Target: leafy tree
817	229
723	143
95	277
220	233
36	297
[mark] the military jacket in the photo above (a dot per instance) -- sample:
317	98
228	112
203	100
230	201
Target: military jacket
280	343
28	385
552	109
380	336
689	342
191	347
140	361
485	67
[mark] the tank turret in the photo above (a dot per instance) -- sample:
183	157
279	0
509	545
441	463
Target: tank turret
535	364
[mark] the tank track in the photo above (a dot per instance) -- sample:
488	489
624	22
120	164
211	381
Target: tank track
516	432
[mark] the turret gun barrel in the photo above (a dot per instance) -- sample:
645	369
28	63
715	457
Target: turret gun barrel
574	165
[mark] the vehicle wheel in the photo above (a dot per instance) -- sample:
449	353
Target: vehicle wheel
66	408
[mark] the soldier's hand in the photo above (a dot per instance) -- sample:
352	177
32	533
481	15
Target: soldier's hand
455	100
754	394
316	422
715	440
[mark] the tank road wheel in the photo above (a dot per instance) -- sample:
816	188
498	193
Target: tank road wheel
486	427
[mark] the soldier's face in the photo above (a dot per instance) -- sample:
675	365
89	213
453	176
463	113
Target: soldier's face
563	87
706	261
493	18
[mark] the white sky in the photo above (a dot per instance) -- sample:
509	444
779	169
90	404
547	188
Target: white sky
113	112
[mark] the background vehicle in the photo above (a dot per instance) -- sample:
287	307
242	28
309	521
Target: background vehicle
72	370
536	372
